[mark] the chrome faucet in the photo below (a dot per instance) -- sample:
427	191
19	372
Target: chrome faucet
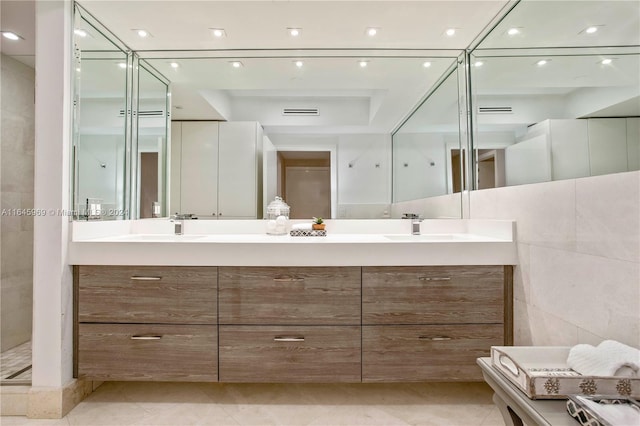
415	222
178	220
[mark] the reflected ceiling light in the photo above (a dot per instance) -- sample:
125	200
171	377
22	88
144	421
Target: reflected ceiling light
236	64
294	32
542	62
299	64
513	31
606	61
426	64
11	35
80	32
218	32
142	33
591	30
122	65
371	31
78	69
363	63
478	63
450	32
174	65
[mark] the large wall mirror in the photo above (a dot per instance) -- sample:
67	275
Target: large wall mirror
544	111
327	101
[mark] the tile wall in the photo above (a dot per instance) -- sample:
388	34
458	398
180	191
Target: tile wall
578	280
16	182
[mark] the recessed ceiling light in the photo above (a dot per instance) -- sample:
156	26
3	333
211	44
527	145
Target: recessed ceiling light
11	35
294	32
236	64
591	30
372	31
142	33
78	69
478	63
174	65
542	62
426	64
513	31
218	32
363	63
80	32
299	64
122	65
450	32
606	61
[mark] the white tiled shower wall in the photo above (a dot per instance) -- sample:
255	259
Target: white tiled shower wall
578	278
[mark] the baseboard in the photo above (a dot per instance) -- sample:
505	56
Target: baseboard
14	400
55	403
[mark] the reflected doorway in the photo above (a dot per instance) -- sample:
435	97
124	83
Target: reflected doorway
305	181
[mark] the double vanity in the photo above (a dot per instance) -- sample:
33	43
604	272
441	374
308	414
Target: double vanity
225	302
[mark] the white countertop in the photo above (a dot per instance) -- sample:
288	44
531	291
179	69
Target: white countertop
245	243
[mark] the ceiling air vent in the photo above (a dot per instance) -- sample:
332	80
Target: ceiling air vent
300	111
147	113
495	110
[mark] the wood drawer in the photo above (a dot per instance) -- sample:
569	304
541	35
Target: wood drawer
147	294
407	353
287	354
433	294
291	295
112	352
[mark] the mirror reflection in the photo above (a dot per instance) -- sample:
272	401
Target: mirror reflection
544	111
151	143
426	148
99	125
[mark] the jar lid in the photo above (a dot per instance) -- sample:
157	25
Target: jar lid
278	205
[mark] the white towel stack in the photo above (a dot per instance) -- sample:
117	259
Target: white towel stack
609	358
302	226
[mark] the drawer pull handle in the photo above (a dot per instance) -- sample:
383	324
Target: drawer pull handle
434	278
288	339
434	338
288	279
137	278
146	337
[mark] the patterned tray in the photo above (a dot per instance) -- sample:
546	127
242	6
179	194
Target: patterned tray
308	233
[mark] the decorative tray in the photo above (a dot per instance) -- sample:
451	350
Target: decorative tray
308	233
541	372
602	410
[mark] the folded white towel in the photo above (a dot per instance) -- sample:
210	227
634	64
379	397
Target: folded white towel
610	358
302	226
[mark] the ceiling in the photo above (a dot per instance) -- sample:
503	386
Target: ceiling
19	17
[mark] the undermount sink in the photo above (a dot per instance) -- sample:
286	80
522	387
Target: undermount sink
424	237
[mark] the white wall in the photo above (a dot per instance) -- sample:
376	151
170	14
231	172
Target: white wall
421	166
52	275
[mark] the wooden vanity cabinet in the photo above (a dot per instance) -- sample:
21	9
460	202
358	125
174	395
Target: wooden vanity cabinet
431	323
146	323
290	324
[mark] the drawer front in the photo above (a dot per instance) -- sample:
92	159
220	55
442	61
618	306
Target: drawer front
148	352
433	295
407	353
293	296
147	294
288	354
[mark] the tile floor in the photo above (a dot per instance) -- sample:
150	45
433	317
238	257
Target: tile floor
157	404
13	361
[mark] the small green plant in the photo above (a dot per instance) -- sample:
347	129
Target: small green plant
318	220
